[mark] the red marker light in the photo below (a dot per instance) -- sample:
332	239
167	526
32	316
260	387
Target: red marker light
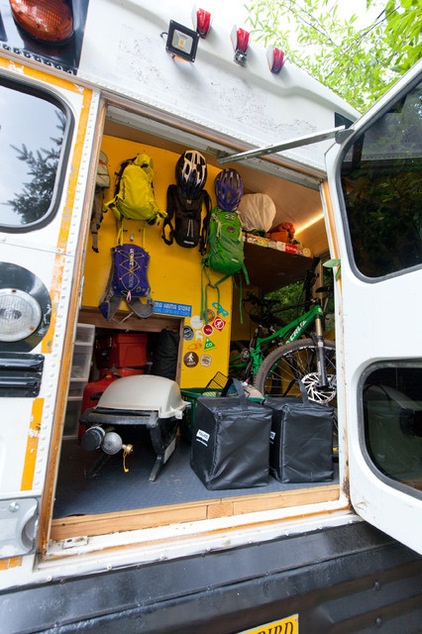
50	20
276	59
240	41
203	22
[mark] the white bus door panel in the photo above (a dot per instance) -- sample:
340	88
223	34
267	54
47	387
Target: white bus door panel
40	265
374	183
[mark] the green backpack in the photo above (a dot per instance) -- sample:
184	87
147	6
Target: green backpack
134	192
225	251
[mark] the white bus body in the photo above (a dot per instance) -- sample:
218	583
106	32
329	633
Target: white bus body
236	562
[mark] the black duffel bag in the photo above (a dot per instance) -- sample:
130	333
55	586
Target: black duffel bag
231	440
301	448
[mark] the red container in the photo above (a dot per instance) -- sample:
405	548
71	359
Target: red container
122	371
92	393
95	389
128	350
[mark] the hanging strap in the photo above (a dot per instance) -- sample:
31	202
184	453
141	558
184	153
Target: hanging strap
169	218
109	302
216	286
204	292
97	217
139	308
239	390
305	397
205	223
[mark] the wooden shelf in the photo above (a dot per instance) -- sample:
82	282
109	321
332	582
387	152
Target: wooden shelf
155	323
270	269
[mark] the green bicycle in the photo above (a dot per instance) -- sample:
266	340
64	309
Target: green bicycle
275	362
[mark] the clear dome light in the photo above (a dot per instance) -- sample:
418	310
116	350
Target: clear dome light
20	314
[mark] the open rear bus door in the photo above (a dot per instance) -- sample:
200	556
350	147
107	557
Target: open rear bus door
374	208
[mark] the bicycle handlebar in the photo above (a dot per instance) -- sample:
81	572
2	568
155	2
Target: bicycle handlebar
254	299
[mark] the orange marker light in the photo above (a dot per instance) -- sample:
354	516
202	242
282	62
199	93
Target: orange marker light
50	20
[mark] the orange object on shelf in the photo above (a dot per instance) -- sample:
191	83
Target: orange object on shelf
128	350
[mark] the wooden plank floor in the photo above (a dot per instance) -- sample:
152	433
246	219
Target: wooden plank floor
101	524
116	501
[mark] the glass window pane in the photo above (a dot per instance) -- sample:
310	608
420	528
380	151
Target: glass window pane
32	131
393	422
381	182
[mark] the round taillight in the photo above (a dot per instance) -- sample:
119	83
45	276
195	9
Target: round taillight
20	314
49	21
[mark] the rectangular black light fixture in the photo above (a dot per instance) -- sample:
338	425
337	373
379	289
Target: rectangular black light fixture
182	41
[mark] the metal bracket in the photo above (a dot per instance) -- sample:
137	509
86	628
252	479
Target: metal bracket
18	526
285	145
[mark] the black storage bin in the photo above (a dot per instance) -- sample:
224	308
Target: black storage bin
301	444
230	442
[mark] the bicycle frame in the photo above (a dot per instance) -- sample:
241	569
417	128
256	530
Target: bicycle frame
293	331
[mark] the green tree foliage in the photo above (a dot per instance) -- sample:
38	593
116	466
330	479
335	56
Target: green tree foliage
33	201
294	299
358	63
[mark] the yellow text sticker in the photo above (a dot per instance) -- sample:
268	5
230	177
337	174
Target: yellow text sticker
289	625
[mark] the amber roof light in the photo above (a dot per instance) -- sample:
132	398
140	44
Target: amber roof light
50	20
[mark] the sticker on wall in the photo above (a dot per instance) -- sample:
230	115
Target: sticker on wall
210	314
205	360
220	310
199	335
188	333
170	308
195	345
208	344
196	322
208	330
191	359
219	323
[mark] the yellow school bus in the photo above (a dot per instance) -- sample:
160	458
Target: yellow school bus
105	524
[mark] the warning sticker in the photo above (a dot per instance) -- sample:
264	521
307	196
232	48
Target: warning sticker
219	323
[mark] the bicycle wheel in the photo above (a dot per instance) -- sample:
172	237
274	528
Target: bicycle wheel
280	371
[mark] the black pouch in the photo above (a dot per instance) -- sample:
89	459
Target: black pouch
301	445
230	442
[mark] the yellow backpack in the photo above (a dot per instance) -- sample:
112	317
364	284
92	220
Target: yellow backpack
134	192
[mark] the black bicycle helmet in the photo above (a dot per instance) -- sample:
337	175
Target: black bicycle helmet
228	189
191	173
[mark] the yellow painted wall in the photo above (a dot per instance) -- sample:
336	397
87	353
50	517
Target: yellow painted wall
174	272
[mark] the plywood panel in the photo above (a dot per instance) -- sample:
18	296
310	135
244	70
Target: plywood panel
90	525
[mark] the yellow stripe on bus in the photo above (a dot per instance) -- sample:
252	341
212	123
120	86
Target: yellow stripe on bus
32	444
13	562
74	171
56	283
40	75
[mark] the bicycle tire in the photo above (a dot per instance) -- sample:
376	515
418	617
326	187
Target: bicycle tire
281	369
